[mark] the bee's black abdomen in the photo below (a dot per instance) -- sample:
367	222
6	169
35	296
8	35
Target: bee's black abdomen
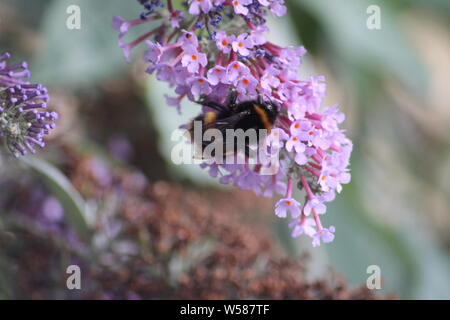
261	115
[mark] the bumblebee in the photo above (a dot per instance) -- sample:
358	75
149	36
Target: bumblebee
252	114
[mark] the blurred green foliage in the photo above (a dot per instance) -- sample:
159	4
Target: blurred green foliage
81	57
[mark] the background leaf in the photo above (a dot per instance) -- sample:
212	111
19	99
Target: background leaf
86	56
350	41
60	186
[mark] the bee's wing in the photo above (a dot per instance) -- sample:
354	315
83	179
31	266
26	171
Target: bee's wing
225	123
229	145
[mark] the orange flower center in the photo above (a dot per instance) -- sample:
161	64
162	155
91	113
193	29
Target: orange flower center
288	202
200	80
194	57
297	125
218	70
224	42
240	44
235	66
245	81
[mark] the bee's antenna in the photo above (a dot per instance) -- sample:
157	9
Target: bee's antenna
211	104
259	97
264	97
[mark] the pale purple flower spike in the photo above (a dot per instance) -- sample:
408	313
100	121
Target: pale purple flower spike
213	46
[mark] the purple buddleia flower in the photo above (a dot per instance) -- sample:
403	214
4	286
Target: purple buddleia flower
174	102
240	6
241	45
285	205
198	6
326	235
123	25
154	52
176	17
200	86
307	227
294	143
278	8
216	75
257	36
224	42
275	140
193	60
236	70
246	86
315	204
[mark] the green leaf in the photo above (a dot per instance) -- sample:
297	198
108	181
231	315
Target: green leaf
6	284
85	56
60	186
351	42
361	242
413	264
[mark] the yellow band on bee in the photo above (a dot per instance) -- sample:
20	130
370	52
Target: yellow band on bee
210	117
264	118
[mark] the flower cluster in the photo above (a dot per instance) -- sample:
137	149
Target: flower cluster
212	47
24	120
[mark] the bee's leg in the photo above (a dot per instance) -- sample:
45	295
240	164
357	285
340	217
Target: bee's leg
213	105
232	98
249	153
260	98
